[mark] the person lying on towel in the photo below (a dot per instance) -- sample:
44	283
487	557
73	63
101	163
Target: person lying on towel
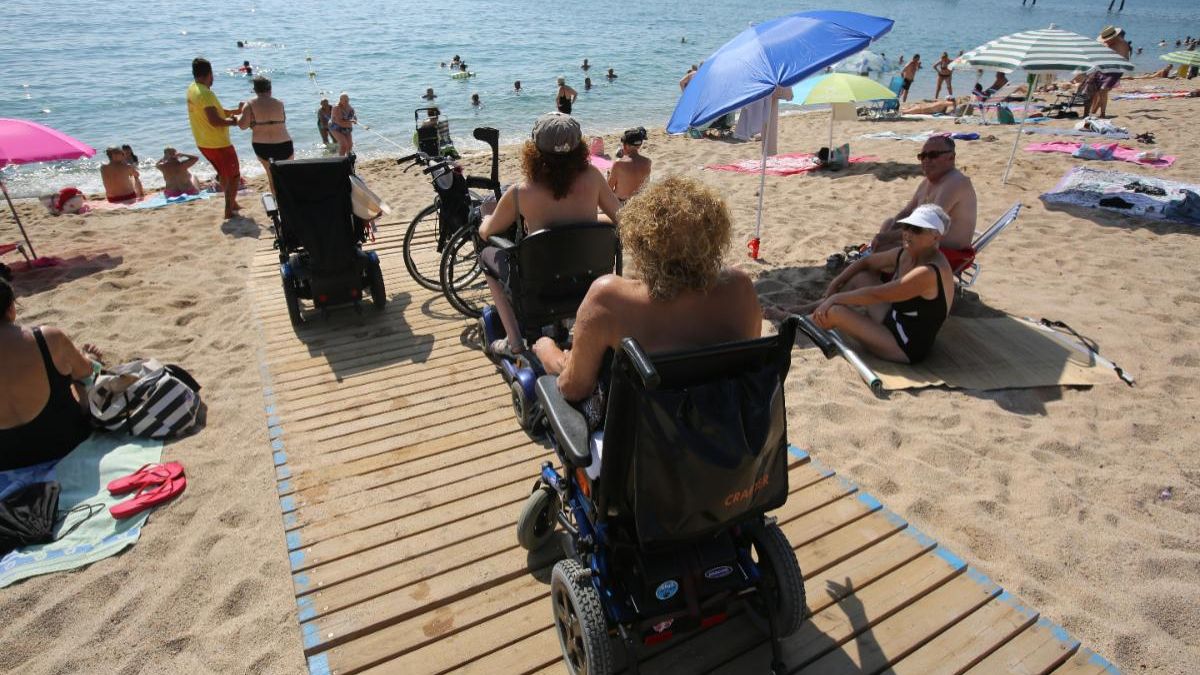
906	292
41	414
950	189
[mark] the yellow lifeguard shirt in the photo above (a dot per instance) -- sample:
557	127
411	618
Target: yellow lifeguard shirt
200	97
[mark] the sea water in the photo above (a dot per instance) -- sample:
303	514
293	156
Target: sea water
113	73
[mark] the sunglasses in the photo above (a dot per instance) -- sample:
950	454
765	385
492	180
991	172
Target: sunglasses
933	154
914	229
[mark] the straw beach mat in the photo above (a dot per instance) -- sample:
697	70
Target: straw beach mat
997	353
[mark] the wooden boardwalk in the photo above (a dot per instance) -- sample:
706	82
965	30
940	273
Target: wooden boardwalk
401	471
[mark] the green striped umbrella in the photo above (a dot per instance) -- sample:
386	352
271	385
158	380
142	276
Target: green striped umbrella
1186	58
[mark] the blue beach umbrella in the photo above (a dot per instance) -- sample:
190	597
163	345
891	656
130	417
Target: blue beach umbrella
775	53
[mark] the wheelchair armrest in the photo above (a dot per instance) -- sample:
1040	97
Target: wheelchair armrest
269	205
568	424
500	242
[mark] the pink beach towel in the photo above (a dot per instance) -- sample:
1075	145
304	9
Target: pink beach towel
779	165
602	163
1121	152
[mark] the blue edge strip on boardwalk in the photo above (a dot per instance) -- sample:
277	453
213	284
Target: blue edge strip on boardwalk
319	663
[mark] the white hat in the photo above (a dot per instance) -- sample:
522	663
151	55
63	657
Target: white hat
928	216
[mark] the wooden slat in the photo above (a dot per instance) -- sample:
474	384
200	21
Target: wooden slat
1038	649
1086	662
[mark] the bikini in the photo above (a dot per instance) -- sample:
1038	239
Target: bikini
915	322
341	129
57	429
271	151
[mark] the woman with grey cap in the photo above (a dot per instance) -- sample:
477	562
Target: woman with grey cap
907	294
560	186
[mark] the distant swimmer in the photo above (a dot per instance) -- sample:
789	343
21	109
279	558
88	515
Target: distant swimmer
683	40
611	75
475	100
462	66
429	95
246	68
455	61
442	64
517	86
240	44
585	65
587	84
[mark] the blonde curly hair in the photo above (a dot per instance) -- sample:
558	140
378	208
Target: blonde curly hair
677	231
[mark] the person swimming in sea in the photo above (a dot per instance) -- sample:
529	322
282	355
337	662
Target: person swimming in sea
585	66
610	74
246	69
587	84
517	86
475	100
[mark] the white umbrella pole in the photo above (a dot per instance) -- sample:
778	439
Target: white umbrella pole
18	219
762	183
830	129
1020	130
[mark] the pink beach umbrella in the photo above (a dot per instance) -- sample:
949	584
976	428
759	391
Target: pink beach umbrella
25	142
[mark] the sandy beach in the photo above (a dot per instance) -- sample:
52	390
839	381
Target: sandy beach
1055	493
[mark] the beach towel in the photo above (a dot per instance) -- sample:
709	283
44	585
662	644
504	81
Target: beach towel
1058	131
779	165
82	476
1150	95
1119	152
996	353
1124	193
922	136
602	163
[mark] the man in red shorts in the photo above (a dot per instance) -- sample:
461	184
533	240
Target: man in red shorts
210	127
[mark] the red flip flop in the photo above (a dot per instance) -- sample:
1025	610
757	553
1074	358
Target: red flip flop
149	496
148	475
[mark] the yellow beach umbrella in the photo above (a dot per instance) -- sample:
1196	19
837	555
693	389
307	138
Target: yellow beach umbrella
839	88
1186	58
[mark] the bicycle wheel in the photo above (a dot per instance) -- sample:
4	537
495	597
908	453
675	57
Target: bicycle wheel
421	256
461	276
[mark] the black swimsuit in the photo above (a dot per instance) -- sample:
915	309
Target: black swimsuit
915	322
57	429
564	105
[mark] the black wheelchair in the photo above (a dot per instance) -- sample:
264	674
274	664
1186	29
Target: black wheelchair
319	238
674	531
550	272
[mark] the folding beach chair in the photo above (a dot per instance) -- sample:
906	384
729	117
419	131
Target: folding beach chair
887	108
967	272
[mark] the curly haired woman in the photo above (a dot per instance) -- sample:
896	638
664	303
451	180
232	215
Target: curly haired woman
561	186
676	232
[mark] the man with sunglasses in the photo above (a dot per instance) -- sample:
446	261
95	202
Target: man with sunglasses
947	187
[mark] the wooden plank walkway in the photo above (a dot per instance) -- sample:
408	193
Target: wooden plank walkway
401	471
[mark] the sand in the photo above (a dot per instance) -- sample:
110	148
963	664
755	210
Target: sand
1052	492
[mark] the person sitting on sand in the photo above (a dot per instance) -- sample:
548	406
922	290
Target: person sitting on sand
177	177
945	186
677	233
629	173
42	408
945	107
122	182
906	294
560	186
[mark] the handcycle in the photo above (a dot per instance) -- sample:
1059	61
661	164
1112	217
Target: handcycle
435	225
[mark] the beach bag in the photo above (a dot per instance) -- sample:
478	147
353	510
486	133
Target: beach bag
1005	116
146	398
27	516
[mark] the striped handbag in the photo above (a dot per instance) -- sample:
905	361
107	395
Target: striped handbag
146	398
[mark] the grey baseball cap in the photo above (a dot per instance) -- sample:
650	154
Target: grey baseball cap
556	133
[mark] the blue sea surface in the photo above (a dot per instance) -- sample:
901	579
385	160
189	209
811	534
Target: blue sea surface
113	73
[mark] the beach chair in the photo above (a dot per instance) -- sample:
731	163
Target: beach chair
318	236
967	272
666	513
886	108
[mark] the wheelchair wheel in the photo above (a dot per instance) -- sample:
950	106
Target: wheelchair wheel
522	406
378	293
461	276
579	620
783	585
538	519
421	255
293	304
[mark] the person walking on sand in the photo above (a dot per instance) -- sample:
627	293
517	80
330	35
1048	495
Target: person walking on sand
341	125
177	178
1113	38
909	73
629	173
265	117
565	97
942	68
210	124
323	114
122	183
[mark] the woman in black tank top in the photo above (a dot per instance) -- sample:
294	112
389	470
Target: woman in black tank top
903	292
61	423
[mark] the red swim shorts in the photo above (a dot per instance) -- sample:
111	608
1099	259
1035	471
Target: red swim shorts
224	160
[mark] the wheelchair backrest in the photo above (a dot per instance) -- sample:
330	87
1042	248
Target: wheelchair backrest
315	209
695	441
552	269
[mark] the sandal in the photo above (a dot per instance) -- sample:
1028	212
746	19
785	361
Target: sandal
500	348
147	498
147	476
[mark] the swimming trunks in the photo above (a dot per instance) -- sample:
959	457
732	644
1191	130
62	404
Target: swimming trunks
131	197
224	160
171	194
57	429
273	151
915	322
906	85
564	105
